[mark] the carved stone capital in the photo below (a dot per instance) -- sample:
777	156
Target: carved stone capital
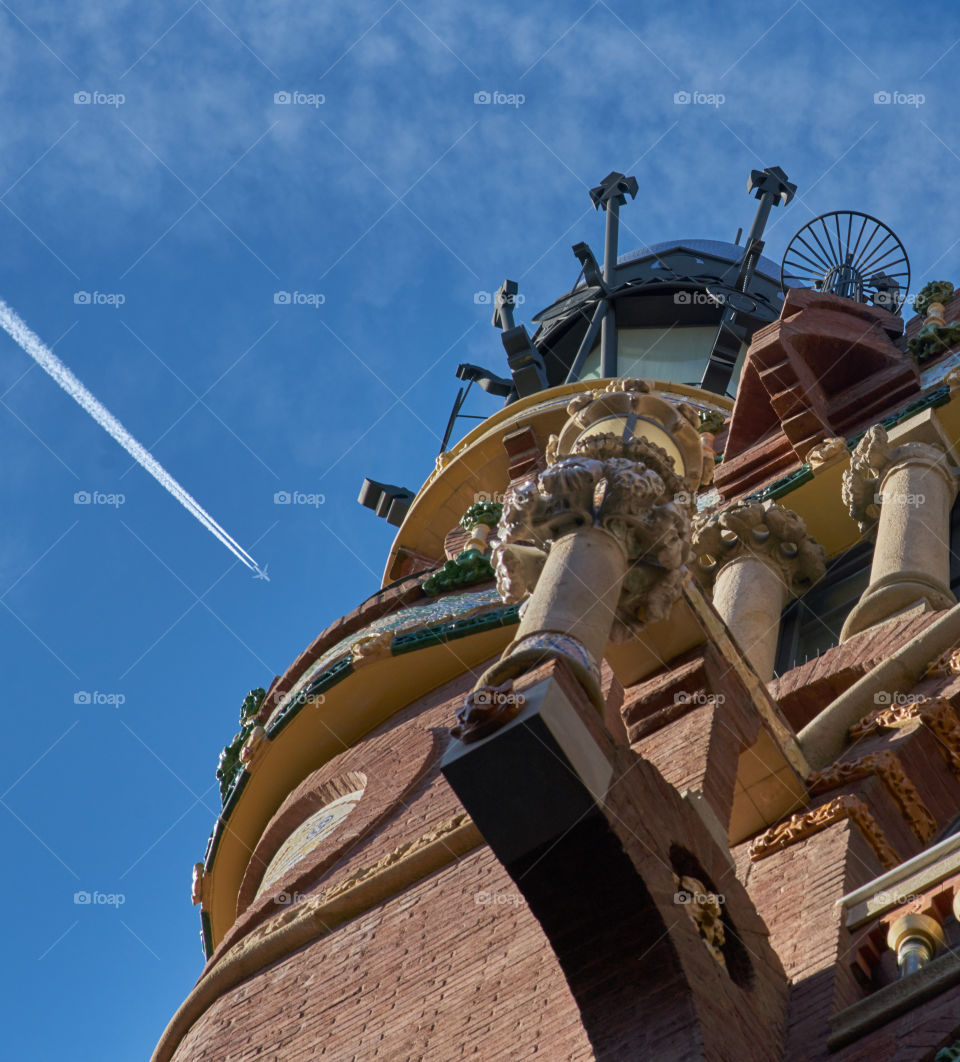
608	469
596	544
627	498
771	533
871	462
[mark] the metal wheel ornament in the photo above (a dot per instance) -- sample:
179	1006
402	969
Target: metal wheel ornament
851	254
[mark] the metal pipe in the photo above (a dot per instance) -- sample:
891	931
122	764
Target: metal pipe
824	738
609	341
608	333
587	342
611	241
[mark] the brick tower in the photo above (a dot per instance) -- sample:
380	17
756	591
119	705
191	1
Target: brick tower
648	747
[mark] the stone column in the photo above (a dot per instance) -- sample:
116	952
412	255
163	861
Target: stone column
596	544
754	558
901	487
578	590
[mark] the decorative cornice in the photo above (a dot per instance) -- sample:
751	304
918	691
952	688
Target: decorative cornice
888	768
937	714
316	915
771	533
805	824
946	665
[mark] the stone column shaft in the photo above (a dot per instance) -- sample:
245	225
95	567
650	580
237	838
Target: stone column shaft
754	557
750	596
914	488
917	498
578	590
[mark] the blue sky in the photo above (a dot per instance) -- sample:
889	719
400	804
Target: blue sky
196	197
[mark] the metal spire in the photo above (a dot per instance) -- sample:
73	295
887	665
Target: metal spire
609	196
771	187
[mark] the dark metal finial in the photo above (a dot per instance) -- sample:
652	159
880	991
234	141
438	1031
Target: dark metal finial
503	303
771	182
614	188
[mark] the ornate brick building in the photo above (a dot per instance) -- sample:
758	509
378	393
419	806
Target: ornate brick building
648	748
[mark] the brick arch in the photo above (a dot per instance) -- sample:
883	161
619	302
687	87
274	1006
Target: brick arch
315	800
389	777
607	933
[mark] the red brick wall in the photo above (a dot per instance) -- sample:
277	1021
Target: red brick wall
430	975
795	892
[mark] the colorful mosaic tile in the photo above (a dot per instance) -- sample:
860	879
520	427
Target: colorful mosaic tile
307	836
429	614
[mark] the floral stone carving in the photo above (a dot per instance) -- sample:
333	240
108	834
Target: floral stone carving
230	763
770	532
471	565
626	484
807	823
704	909
869	463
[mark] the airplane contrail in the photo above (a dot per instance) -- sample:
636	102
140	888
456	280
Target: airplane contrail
31	344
